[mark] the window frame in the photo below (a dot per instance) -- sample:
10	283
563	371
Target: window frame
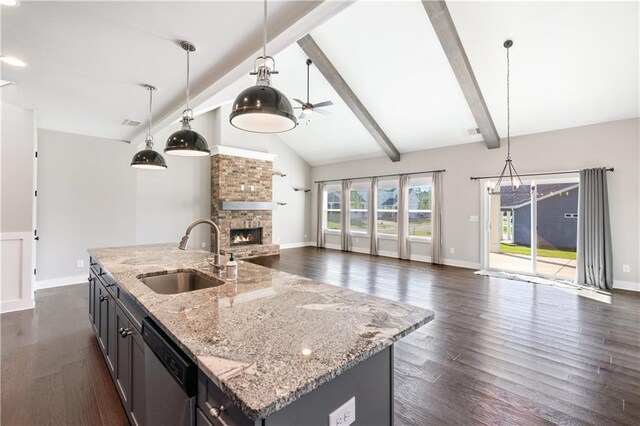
428	180
382	184
326	210
356	186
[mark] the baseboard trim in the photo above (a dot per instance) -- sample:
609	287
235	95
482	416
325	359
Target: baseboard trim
297	245
59	282
15	305
626	285
420	258
460	263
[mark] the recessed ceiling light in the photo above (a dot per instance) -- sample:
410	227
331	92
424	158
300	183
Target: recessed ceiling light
5	83
9	2
12	61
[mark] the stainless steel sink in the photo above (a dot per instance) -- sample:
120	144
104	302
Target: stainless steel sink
179	282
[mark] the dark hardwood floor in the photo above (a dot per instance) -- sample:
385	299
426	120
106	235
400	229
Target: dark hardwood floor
498	352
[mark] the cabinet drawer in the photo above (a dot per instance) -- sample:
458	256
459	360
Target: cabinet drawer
209	396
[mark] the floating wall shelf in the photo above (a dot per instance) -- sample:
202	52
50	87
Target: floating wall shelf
279	174
302	189
247	205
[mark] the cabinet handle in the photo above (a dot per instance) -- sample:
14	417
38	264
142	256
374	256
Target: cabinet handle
90	279
92	264
103	298
215	412
108	285
124	332
101	273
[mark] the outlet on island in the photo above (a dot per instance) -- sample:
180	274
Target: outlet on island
344	415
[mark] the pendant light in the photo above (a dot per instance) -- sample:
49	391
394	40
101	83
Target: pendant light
148	158
262	108
187	142
509	170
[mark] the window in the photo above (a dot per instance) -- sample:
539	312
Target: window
334	198
420	207
359	207
387	214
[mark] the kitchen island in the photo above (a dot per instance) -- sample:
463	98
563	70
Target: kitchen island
270	347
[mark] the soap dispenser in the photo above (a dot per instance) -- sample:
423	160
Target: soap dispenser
232	268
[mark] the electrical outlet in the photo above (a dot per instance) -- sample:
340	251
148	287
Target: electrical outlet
474	219
452	251
80	263
203	244
626	268
345	415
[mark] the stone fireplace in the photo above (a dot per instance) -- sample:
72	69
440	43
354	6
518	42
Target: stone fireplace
242	201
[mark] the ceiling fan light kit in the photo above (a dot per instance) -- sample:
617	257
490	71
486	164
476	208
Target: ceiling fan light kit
509	170
187	142
148	158
263	108
307	107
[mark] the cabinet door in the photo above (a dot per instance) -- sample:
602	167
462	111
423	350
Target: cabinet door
92	301
103	317
137	379
112	335
123	359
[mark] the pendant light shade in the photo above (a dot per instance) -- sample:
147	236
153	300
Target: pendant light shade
187	142
262	108
509	172
148	158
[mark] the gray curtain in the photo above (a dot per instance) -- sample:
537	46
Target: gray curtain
436	218
595	259
373	218
345	241
403	218
320	213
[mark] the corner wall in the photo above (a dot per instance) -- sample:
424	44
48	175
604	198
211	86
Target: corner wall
615	144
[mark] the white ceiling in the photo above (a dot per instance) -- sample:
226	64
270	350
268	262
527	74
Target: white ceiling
87	59
573	64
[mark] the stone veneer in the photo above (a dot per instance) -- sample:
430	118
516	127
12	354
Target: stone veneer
228	175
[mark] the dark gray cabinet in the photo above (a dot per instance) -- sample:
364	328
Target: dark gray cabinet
118	334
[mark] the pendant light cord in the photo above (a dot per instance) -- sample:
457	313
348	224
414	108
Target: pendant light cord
264	33
150	103
188	72
308	66
508	111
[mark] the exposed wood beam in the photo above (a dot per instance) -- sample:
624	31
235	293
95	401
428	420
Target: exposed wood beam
448	35
334	78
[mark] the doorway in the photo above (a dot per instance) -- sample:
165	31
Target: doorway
533	231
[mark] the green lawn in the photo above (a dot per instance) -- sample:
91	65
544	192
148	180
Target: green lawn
559	254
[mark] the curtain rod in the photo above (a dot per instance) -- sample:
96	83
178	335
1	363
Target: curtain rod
609	169
381	176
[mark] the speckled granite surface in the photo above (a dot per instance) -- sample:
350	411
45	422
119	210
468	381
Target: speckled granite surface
268	338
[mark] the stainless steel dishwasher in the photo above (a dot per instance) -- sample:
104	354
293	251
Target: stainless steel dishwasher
170	380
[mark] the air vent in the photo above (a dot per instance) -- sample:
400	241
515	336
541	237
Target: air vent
472	131
131	123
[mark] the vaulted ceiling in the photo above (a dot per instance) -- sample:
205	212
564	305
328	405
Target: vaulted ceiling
572	64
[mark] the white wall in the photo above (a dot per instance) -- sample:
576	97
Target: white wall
17	146
615	144
291	223
17	150
86	198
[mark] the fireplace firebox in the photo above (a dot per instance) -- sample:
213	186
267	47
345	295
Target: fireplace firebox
246	236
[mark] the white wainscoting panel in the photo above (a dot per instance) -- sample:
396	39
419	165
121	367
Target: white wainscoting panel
16	272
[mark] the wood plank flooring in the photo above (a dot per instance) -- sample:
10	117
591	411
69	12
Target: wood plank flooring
498	352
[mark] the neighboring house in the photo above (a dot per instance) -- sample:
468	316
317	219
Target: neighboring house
557	215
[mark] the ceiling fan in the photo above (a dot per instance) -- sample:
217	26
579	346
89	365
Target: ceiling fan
308	107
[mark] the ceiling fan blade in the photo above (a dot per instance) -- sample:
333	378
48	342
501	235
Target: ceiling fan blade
297	107
322	111
298	101
302	115
323	104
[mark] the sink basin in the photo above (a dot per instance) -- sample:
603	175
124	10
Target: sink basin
179	282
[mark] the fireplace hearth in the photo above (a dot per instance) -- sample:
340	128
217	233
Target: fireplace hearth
246	236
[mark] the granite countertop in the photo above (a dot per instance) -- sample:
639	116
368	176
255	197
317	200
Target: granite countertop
268	338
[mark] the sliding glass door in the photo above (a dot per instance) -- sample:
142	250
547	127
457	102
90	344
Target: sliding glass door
534	231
